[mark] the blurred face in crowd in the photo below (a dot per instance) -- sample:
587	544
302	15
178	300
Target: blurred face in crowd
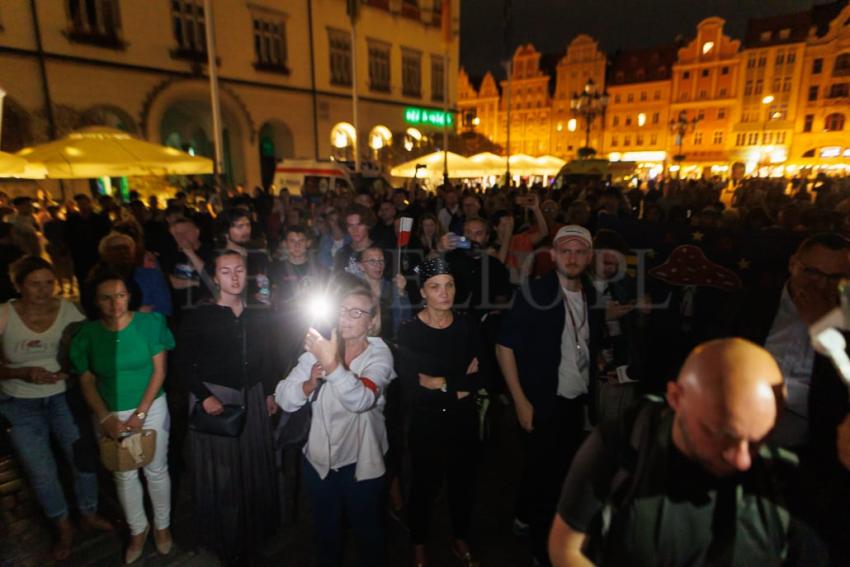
230	274
819	270
355	316
572	256
429	228
113	299
611	264
439	292
296	247
386	212
358	231
471	206
39	287
399	199
119	252
240	231
186	234
451	199
372	264
476	231
83	204
365	200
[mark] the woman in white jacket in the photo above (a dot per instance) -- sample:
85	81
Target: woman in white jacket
344	455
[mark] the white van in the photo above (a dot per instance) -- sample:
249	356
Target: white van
308	178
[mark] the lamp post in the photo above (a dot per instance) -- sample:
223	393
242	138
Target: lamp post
680	126
589	104
768	99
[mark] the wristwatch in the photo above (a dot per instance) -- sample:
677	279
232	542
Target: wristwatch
141	415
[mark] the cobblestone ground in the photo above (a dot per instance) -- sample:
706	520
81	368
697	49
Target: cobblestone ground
25	536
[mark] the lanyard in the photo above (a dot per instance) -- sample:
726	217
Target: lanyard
576	328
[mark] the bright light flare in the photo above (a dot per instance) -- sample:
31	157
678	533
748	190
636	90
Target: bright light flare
319	308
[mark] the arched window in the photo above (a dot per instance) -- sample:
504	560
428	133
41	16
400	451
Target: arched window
834	122
842	65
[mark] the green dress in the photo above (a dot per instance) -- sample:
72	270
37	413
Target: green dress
121	360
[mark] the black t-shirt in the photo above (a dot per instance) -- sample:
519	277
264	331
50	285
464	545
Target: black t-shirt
664	508
182	269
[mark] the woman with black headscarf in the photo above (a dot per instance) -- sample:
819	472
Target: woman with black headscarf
438	366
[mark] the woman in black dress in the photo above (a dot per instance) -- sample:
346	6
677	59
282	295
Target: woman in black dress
438	366
224	353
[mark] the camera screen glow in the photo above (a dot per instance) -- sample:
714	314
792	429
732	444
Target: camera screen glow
318	308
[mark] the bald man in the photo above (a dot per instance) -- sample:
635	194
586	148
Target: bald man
686	484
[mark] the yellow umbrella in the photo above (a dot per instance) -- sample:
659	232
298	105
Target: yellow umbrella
459	167
98	151
490	163
11	165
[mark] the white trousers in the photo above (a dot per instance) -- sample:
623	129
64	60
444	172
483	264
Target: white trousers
128	484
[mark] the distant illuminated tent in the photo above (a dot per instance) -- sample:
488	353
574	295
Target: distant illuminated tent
98	151
459	167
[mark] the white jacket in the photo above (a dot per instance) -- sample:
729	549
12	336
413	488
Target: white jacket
348	416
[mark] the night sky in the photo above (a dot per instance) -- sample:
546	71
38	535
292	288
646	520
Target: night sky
551	24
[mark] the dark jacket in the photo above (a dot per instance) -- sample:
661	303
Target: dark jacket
533	329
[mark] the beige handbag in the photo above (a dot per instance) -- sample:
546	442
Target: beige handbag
128	453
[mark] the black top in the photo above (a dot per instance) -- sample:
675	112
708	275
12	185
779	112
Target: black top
437	352
533	329
666	509
210	349
181	268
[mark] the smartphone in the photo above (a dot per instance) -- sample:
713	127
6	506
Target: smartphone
463	243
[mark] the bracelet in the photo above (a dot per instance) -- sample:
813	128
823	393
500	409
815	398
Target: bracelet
104	418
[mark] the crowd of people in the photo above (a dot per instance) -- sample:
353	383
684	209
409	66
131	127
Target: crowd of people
318	327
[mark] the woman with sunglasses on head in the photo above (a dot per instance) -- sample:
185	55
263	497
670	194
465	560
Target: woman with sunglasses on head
224	353
121	359
438	365
344	378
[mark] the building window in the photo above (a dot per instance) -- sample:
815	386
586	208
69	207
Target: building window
697	138
379	67
767	138
718	137
188	19
627	140
759	87
765	36
339	47
745	117
628	120
653	139
789	60
813	92
94	21
834	122
780	137
721	113
437	78
656	117
270	42
777	84
615	121
657	95
748	88
780	59
703	94
614	141
616	99
630	97
686	75
751	63
643	95
842	65
722	92
700	114
724	70
411	73
762	61
839	90
786	85
807	122
705	73
784	33
638	139
817	66
739	139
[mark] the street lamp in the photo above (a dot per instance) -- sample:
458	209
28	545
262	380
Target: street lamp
680	126
768	99
589	104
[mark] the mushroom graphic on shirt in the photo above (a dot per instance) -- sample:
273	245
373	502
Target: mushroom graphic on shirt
688	266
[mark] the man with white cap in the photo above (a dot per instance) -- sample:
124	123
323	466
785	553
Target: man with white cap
547	352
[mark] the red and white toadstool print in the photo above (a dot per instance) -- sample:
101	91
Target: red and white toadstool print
688	266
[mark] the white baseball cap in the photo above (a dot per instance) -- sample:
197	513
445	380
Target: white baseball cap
574	232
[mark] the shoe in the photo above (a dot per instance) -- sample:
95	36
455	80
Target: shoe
134	554
520	528
65	542
162	540
419	557
462	552
96	522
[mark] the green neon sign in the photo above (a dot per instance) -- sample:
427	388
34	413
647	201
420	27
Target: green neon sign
424	116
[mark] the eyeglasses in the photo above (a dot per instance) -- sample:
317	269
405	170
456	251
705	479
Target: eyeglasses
353	312
375	261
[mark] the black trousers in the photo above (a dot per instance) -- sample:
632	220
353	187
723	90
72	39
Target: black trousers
443	444
549	451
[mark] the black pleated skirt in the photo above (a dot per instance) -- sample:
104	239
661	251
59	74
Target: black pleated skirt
235	486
